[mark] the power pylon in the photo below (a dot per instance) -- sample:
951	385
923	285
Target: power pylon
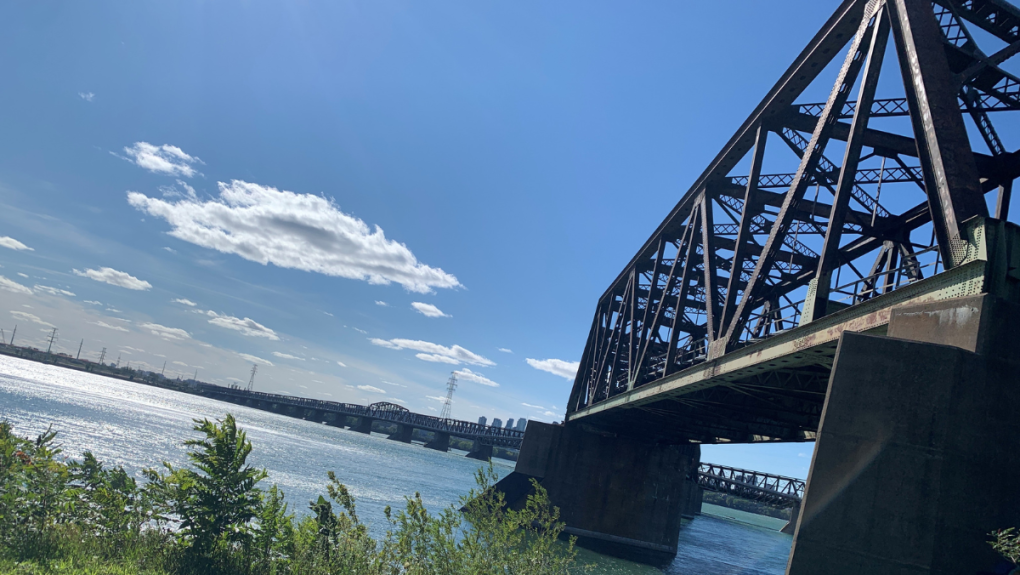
79	349
251	380
53	337
102	357
451	385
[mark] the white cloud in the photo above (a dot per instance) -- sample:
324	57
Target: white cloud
165	159
13	244
25	316
468	375
564	369
13	286
166	332
287	356
341	364
371	388
291	230
186	191
246	326
359	330
115	278
456	352
505	350
381	303
327	313
169	249
108	326
549	413
393	384
539	407
435	398
434	358
92	302
23	275
110	309
428	310
87	96
52	290
183	301
255	358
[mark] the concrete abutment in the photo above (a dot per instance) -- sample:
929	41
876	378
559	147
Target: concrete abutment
915	461
441	442
403	434
623	496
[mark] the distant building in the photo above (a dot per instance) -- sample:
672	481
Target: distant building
510	423
481	420
521	424
497	422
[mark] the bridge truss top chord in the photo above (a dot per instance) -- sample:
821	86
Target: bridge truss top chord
871	205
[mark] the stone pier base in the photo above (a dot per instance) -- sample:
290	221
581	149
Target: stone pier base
363	425
917	453
618	495
441	442
403	434
480	452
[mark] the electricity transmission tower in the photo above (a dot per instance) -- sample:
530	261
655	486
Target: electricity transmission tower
451	385
53	337
102	356
79	349
251	380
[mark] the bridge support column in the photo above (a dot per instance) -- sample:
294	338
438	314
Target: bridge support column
441	442
403	434
364	425
479	451
620	495
791	526
915	461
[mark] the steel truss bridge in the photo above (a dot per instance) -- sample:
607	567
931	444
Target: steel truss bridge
772	489
317	410
723	326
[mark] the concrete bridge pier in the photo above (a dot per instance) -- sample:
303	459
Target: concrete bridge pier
620	495
441	442
480	452
403	434
791	526
915	461
364	425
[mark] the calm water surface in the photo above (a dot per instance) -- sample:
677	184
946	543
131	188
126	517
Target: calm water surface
139	426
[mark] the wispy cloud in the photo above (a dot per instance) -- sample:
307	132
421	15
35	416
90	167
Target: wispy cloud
164	332
453	355
428	310
505	350
13	286
165	159
564	369
52	290
327	313
170	249
371	389
108	326
287	356
115	278
381	303
87	96
246	326
255	359
468	375
290	230
13	244
341	364
25	316
539	407
183	301
92	302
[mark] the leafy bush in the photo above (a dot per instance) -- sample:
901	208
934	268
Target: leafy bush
214	518
1007	543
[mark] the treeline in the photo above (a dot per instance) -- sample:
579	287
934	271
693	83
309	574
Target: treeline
748	505
213	517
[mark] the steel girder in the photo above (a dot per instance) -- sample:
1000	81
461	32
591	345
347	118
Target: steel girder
733	262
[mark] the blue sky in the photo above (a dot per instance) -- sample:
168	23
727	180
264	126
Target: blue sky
410	188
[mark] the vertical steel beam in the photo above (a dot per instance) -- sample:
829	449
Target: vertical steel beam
643	337
828	260
685	282
808	164
743	235
1002	202
947	162
711	279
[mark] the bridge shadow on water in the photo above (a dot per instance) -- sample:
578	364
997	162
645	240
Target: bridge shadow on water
724	541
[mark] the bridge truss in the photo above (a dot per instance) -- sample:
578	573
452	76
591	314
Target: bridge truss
873	198
772	489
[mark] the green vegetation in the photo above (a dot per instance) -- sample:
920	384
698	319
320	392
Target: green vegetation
748	505
1007	543
60	516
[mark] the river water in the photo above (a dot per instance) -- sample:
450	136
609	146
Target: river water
138	426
